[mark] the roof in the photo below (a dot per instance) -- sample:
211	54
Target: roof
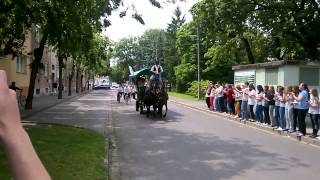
267	64
141	72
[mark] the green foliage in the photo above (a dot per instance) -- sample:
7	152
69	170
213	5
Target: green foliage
185	74
67	153
193	89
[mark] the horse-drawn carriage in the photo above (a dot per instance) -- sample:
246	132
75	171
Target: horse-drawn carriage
149	95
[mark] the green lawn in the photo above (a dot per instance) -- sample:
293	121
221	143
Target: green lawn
67	153
182	96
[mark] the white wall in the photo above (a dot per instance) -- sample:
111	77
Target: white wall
260	77
291	75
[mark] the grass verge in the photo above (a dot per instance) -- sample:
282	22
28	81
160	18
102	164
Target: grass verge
182	96
67	153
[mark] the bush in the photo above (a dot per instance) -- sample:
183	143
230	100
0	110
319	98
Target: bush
193	89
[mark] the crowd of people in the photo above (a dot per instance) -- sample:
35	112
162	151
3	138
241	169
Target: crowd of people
127	90
282	108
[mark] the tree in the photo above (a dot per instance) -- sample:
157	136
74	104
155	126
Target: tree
171	56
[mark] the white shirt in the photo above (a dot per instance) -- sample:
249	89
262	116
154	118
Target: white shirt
237	96
157	69
314	105
245	93
289	102
126	90
252	97
276	99
220	91
282	102
212	93
260	95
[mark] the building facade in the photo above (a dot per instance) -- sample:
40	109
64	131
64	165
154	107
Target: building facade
281	73
18	68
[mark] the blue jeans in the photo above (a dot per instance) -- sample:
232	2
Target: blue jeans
259	113
244	110
282	120
220	104
277	115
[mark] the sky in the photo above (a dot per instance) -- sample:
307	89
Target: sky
152	16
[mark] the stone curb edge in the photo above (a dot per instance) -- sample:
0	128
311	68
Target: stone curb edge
112	162
28	115
302	139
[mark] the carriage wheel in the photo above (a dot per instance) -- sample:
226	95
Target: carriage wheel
137	105
148	111
164	111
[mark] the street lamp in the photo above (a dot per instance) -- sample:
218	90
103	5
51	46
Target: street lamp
199	79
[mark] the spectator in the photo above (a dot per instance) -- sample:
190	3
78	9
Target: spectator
265	106
215	100
252	100
289	109
314	112
244	105
24	161
14	87
277	107
230	100
212	98
238	101
282	122
220	96
296	91
208	92
302	99
271	103
259	109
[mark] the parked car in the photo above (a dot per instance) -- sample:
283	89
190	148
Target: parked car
102	86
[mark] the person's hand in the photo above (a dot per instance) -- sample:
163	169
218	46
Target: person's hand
9	112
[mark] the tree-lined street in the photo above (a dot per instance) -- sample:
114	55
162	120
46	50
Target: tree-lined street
190	144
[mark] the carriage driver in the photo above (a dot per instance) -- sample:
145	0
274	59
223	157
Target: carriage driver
156	70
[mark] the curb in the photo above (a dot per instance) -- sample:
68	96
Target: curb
112	162
28	115
301	139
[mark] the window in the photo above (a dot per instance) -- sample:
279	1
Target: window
272	76
53	67
309	76
46	70
20	64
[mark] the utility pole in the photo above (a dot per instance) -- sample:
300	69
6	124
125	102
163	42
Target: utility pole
199	78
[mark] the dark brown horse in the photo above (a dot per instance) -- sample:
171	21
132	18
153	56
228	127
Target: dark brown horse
157	98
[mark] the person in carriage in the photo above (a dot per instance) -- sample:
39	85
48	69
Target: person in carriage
155	79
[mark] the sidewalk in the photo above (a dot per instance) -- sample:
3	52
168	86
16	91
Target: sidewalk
41	103
201	106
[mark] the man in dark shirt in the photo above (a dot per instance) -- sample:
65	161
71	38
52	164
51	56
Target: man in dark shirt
13	87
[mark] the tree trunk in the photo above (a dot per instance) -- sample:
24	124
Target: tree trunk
38	53
60	88
70	79
88	88
81	82
248	50
77	77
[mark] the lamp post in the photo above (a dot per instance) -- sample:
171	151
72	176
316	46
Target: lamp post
199	78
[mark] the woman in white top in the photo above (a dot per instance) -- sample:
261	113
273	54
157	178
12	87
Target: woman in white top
259	108
277	107
282	109
244	103
252	100
289	108
314	112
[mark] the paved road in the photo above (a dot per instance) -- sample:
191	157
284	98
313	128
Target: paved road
193	145
89	111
